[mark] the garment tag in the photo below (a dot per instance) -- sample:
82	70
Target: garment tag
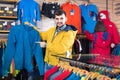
72	12
13	23
67	54
52	11
94	18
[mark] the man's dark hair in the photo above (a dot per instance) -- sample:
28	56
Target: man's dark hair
60	12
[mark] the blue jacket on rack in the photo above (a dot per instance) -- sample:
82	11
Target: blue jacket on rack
21	47
89	17
28	11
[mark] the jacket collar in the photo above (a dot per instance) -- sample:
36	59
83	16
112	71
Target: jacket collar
67	28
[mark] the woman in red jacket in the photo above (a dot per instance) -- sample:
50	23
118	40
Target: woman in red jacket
101	42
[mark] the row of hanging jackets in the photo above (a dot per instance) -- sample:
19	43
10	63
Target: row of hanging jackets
81	16
76	71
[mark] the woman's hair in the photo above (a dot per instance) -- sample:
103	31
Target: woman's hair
100	27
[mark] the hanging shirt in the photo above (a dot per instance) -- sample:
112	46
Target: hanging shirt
48	9
28	12
89	17
64	75
110	26
50	72
101	45
73	15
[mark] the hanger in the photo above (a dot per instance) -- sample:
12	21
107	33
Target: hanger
29	24
85	2
94	75
64	65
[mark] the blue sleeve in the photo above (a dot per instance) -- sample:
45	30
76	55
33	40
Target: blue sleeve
94	9
37	13
19	13
39	55
10	49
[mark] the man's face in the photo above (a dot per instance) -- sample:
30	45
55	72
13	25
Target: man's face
60	20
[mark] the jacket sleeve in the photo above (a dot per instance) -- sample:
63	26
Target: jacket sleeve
43	35
89	36
115	36
37	13
65	44
38	54
10	49
19	13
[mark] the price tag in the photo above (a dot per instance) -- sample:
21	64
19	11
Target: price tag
6	8
72	12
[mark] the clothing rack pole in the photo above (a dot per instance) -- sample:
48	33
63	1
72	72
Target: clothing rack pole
85	54
71	60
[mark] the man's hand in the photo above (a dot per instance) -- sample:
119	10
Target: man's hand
42	44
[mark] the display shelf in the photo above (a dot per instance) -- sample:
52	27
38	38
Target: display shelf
4	31
8	17
8	1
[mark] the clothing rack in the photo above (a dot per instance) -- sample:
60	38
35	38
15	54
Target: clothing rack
92	55
85	54
89	65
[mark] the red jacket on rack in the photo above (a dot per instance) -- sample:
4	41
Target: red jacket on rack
100	46
111	28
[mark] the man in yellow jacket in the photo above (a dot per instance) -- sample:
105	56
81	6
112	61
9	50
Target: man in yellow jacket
59	40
